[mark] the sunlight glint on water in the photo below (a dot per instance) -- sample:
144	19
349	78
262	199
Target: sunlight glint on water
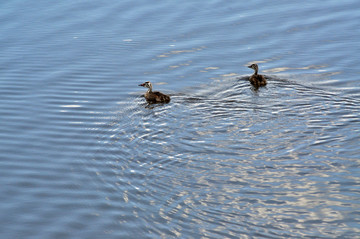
84	156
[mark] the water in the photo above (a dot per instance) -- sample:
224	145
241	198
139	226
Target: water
83	155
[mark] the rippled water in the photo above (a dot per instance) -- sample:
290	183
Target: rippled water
84	156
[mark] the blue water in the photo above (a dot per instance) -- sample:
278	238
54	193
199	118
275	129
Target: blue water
83	155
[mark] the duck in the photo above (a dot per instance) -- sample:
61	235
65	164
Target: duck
154	96
256	79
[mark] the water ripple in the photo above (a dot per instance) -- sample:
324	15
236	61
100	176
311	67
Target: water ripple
84	156
222	158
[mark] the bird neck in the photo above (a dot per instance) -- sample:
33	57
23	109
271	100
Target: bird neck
149	90
256	72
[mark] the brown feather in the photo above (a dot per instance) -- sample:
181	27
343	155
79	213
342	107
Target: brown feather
257	80
156	97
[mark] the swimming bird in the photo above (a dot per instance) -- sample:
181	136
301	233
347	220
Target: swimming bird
256	79
154	96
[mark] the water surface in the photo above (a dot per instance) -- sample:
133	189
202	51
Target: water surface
84	156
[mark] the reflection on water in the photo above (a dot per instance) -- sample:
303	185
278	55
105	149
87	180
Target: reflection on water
84	156
228	161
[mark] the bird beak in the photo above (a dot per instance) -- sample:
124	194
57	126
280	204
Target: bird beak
249	66
142	84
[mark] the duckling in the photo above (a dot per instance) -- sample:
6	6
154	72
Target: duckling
154	96
256	79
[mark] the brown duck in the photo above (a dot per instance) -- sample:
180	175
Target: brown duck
256	79
154	96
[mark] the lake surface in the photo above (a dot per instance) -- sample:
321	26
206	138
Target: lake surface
83	155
